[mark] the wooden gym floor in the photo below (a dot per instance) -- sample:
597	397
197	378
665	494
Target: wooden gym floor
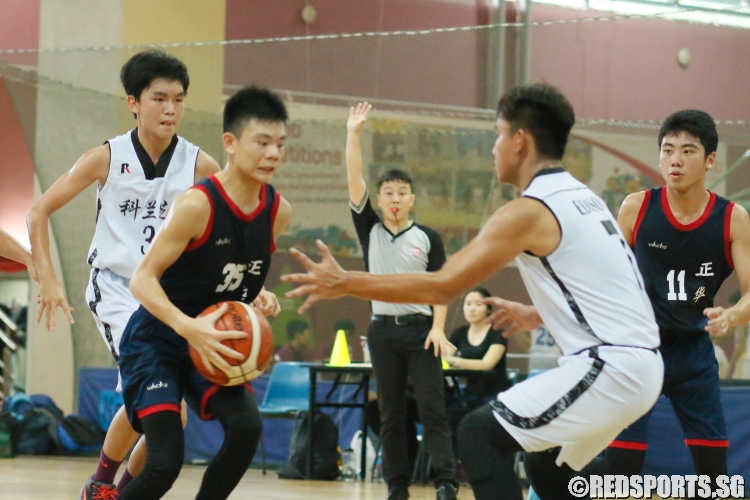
61	478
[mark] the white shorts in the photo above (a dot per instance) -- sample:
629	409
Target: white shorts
543	412
109	298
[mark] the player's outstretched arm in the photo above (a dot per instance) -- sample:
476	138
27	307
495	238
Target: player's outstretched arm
523	224
185	222
91	168
355	167
11	249
511	316
205	165
628	214
720	319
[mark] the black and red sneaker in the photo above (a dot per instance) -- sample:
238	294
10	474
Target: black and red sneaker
98	491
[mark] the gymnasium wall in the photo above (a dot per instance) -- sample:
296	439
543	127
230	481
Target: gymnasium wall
624	69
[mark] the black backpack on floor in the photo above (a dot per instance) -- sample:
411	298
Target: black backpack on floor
38	433
78	435
325	454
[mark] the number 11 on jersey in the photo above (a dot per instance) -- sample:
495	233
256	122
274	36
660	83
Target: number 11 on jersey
681	280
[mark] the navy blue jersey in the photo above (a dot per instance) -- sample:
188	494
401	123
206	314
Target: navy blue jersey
231	259
682	265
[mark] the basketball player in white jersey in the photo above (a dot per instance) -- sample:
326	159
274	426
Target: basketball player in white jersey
138	176
582	277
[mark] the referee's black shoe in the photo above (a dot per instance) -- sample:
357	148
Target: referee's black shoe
446	492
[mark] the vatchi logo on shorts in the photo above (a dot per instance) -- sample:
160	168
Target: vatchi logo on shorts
415	251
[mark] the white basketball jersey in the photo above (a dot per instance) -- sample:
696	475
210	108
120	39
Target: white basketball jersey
589	291
131	208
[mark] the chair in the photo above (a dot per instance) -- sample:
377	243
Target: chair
287	395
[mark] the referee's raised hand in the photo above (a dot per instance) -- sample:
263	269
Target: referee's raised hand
358	117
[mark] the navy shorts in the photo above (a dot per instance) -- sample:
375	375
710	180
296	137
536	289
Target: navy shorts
691	383
157	372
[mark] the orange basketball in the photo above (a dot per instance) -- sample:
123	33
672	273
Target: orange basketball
257	347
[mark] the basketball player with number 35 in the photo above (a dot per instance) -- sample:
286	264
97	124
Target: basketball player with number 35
215	246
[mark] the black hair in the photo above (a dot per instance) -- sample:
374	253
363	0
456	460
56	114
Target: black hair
295	327
143	68
252	103
543	112
344	324
394	175
484	293
696	123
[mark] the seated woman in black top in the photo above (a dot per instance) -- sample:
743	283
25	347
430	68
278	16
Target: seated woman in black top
479	347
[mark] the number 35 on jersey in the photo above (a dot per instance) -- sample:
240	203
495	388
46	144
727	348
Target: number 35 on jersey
234	274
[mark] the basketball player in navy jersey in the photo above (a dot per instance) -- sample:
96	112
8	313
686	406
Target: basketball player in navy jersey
582	277
11	249
216	245
687	241
138	177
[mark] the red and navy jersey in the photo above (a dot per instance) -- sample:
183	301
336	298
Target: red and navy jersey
683	265
231	259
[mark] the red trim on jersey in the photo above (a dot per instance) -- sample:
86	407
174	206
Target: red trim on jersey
641	214
250	388
713	443
274	209
204	400
728	234
209	227
629	445
233	206
693	225
157	408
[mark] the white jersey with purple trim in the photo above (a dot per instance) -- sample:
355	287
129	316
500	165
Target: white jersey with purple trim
589	290
132	207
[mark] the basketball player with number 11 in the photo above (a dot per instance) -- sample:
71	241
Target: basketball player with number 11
215	246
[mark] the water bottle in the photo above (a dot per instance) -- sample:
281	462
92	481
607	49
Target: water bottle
365	350
348	470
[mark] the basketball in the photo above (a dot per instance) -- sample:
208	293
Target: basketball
257	347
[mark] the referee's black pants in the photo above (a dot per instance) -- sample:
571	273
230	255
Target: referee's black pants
397	351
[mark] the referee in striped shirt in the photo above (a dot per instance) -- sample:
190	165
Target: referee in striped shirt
405	340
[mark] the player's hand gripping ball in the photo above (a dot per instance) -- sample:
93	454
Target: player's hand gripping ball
256	347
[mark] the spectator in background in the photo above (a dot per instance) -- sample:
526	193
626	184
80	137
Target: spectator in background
300	341
479	347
